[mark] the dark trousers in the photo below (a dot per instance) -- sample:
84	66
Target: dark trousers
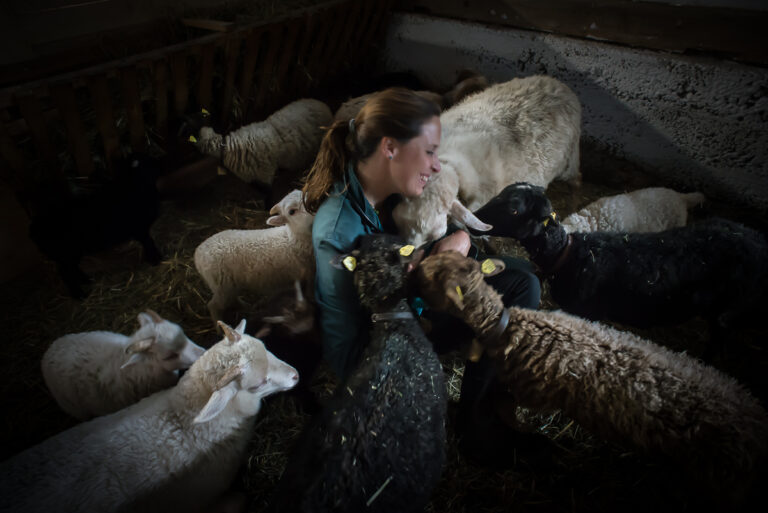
518	286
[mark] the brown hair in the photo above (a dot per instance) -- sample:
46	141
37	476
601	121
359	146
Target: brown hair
396	112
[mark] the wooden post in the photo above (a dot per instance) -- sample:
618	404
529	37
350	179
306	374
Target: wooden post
132	105
105	119
64	97
32	111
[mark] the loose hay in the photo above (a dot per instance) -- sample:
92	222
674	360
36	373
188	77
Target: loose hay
582	473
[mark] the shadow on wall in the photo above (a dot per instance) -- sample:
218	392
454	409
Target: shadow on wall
694	123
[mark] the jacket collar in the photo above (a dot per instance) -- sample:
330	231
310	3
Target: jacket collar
358	200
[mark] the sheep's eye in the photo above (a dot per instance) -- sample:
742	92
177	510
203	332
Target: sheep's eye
291	211
514	212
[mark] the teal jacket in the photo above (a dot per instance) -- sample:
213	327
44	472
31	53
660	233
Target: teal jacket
340	220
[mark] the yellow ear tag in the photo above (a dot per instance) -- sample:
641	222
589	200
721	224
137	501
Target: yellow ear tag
458	291
205	112
487	266
350	262
406	250
192	139
546	221
553	216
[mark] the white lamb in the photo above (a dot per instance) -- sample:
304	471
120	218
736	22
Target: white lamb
288	139
526	129
99	372
257	261
653	209
177	450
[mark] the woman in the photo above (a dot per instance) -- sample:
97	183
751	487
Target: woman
364	167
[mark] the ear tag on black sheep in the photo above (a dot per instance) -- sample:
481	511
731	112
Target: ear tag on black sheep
458	291
205	112
487	267
406	250
349	262
192	138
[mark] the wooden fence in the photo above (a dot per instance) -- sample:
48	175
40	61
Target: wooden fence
64	124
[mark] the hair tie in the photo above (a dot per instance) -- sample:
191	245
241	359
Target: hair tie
351	125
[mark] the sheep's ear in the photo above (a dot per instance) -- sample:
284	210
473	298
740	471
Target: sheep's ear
144	319
240	327
491	267
231	335
263	331
218	401
346	261
461	213
277	220
454	293
133	360
154	316
274	319
140	346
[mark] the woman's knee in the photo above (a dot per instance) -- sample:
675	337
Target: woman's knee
518	288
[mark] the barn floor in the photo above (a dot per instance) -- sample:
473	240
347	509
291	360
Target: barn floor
579	473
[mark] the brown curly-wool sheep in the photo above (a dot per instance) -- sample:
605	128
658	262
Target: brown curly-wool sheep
616	384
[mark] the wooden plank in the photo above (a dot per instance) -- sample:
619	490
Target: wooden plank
160	76
352	13
132	104
9	152
377	30
299	76
720	31
205	86
266	70
313	59
248	70
64	97
338	20
231	50
105	120
180	82
32	111
370	29
206	24
288	57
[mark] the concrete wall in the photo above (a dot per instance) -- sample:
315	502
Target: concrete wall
696	123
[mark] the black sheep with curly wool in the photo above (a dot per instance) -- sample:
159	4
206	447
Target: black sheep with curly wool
715	268
378	445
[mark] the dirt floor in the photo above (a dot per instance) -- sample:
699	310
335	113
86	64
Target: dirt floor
578	472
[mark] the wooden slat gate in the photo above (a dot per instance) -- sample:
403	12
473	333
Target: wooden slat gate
60	126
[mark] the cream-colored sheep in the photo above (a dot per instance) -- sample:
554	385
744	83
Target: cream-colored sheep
99	372
287	139
614	383
177	450
526	129
257	261
654	209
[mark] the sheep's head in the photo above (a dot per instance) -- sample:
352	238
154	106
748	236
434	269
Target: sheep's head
240	372
443	279
161	341
519	211
290	210
380	263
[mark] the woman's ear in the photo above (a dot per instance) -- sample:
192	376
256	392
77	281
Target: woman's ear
388	147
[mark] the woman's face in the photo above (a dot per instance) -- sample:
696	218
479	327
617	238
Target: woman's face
414	163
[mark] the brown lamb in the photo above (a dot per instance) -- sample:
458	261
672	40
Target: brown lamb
614	383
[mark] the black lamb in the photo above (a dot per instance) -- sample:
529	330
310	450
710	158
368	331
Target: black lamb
714	268
68	227
379	443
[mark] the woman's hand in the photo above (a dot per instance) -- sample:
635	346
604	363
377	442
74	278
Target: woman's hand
457	241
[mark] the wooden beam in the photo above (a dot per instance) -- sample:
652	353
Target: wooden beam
180	82
723	32
132	104
205	86
206	24
32	111
160	76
